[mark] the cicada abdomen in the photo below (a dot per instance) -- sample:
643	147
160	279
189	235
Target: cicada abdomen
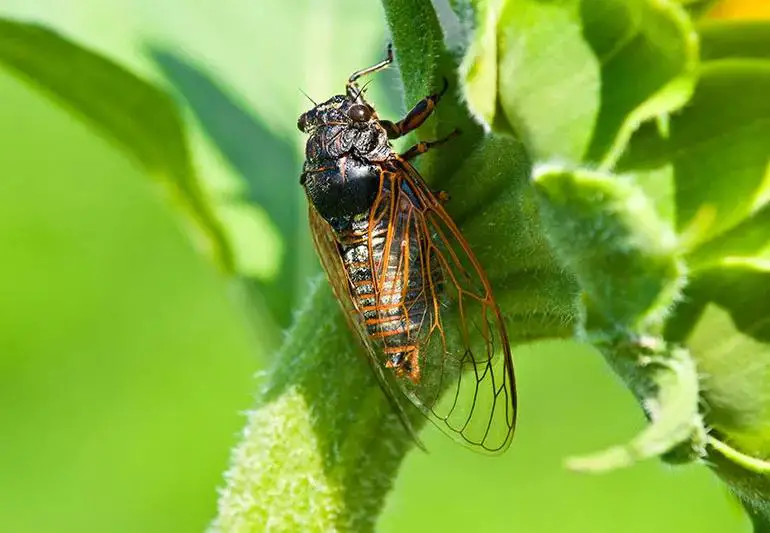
389	269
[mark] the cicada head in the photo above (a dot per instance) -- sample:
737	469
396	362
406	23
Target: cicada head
349	110
344	125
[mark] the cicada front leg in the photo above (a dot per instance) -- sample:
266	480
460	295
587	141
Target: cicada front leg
416	117
352	87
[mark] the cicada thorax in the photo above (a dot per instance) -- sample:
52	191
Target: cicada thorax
386	264
341	174
341	189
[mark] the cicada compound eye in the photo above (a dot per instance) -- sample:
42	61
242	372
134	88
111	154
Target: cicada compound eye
302	122
360	113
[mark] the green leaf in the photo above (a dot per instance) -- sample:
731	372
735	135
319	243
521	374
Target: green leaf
734	39
718	150
564	67
138	117
740	285
652	43
734	365
605	231
672	404
747	239
602	228
549	79
735	369
684	317
478	70
266	162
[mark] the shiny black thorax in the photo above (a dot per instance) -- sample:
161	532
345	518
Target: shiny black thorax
344	158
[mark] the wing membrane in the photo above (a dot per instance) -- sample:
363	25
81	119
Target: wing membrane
466	385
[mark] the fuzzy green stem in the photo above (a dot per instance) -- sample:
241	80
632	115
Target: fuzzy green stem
323	447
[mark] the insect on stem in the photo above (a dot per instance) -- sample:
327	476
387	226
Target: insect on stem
411	287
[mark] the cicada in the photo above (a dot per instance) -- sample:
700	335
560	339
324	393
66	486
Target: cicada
412	289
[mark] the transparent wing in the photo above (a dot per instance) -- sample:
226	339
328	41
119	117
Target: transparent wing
331	261
465	384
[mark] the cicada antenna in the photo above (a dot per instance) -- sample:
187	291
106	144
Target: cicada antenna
351	86
308	97
362	90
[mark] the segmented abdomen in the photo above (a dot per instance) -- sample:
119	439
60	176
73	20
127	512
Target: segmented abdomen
395	310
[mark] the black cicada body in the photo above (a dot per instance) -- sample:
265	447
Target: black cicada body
410	285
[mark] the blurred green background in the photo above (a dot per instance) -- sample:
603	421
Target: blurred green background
126	360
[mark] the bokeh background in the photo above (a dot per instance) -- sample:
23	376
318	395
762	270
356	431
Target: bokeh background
127	360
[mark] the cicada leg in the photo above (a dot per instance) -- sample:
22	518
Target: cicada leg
352	88
421	148
424	146
415	118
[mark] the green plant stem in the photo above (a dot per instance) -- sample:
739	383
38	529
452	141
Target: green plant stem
323	447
